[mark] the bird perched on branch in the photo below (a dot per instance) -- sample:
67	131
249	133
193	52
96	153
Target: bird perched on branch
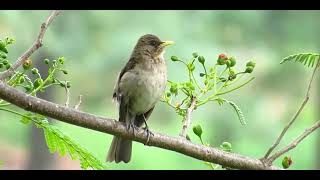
139	86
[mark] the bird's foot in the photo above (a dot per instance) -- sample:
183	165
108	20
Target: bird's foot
133	127
146	130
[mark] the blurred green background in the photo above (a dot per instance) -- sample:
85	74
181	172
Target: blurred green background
97	44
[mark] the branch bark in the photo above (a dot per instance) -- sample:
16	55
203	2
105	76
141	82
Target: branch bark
187	118
306	99
110	126
36	45
294	143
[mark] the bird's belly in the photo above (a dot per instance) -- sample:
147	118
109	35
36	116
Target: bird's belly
149	90
146	91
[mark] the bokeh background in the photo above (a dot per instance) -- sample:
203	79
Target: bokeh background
97	44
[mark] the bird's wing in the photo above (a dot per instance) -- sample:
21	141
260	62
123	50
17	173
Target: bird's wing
130	65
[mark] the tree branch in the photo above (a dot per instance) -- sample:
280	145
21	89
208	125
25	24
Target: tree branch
294	143
187	117
306	99
36	45
110	126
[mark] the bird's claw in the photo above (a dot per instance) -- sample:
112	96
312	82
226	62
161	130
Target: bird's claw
133	127
146	130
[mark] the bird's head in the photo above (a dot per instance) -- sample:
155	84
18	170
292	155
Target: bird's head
152	45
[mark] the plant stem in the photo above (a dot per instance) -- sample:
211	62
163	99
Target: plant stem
14	112
225	92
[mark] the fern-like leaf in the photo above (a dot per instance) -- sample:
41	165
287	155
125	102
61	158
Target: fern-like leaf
239	112
61	143
309	59
235	107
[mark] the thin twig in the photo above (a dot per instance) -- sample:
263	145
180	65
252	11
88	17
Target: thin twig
79	102
306	99
36	45
294	143
187	117
67	95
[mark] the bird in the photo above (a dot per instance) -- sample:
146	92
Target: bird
139	86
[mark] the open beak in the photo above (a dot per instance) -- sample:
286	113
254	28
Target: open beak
166	43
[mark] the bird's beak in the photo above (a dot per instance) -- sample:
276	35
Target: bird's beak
166	43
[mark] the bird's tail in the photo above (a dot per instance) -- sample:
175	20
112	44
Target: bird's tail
120	150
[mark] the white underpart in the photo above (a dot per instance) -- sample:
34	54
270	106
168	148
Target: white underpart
144	87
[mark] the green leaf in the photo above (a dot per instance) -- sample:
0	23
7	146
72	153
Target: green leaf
305	58
197	130
72	152
50	140
61	143
220	101
26	119
235	107
84	164
239	112
62	148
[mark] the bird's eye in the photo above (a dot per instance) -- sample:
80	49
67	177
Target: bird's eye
153	43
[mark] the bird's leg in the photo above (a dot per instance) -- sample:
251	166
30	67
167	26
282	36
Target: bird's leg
146	129
131	125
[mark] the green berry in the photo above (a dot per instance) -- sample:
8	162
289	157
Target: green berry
251	63
174	89
1	65
168	94
5	62
28	88
191	67
174	58
286	162
8	66
190	86
197	130
206	82
68	84
249	69
34	71
61	60
46	61
37	82
201	59
3	55
202	74
221	62
3	47
27	64
21	80
226	146
233	61
195	55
